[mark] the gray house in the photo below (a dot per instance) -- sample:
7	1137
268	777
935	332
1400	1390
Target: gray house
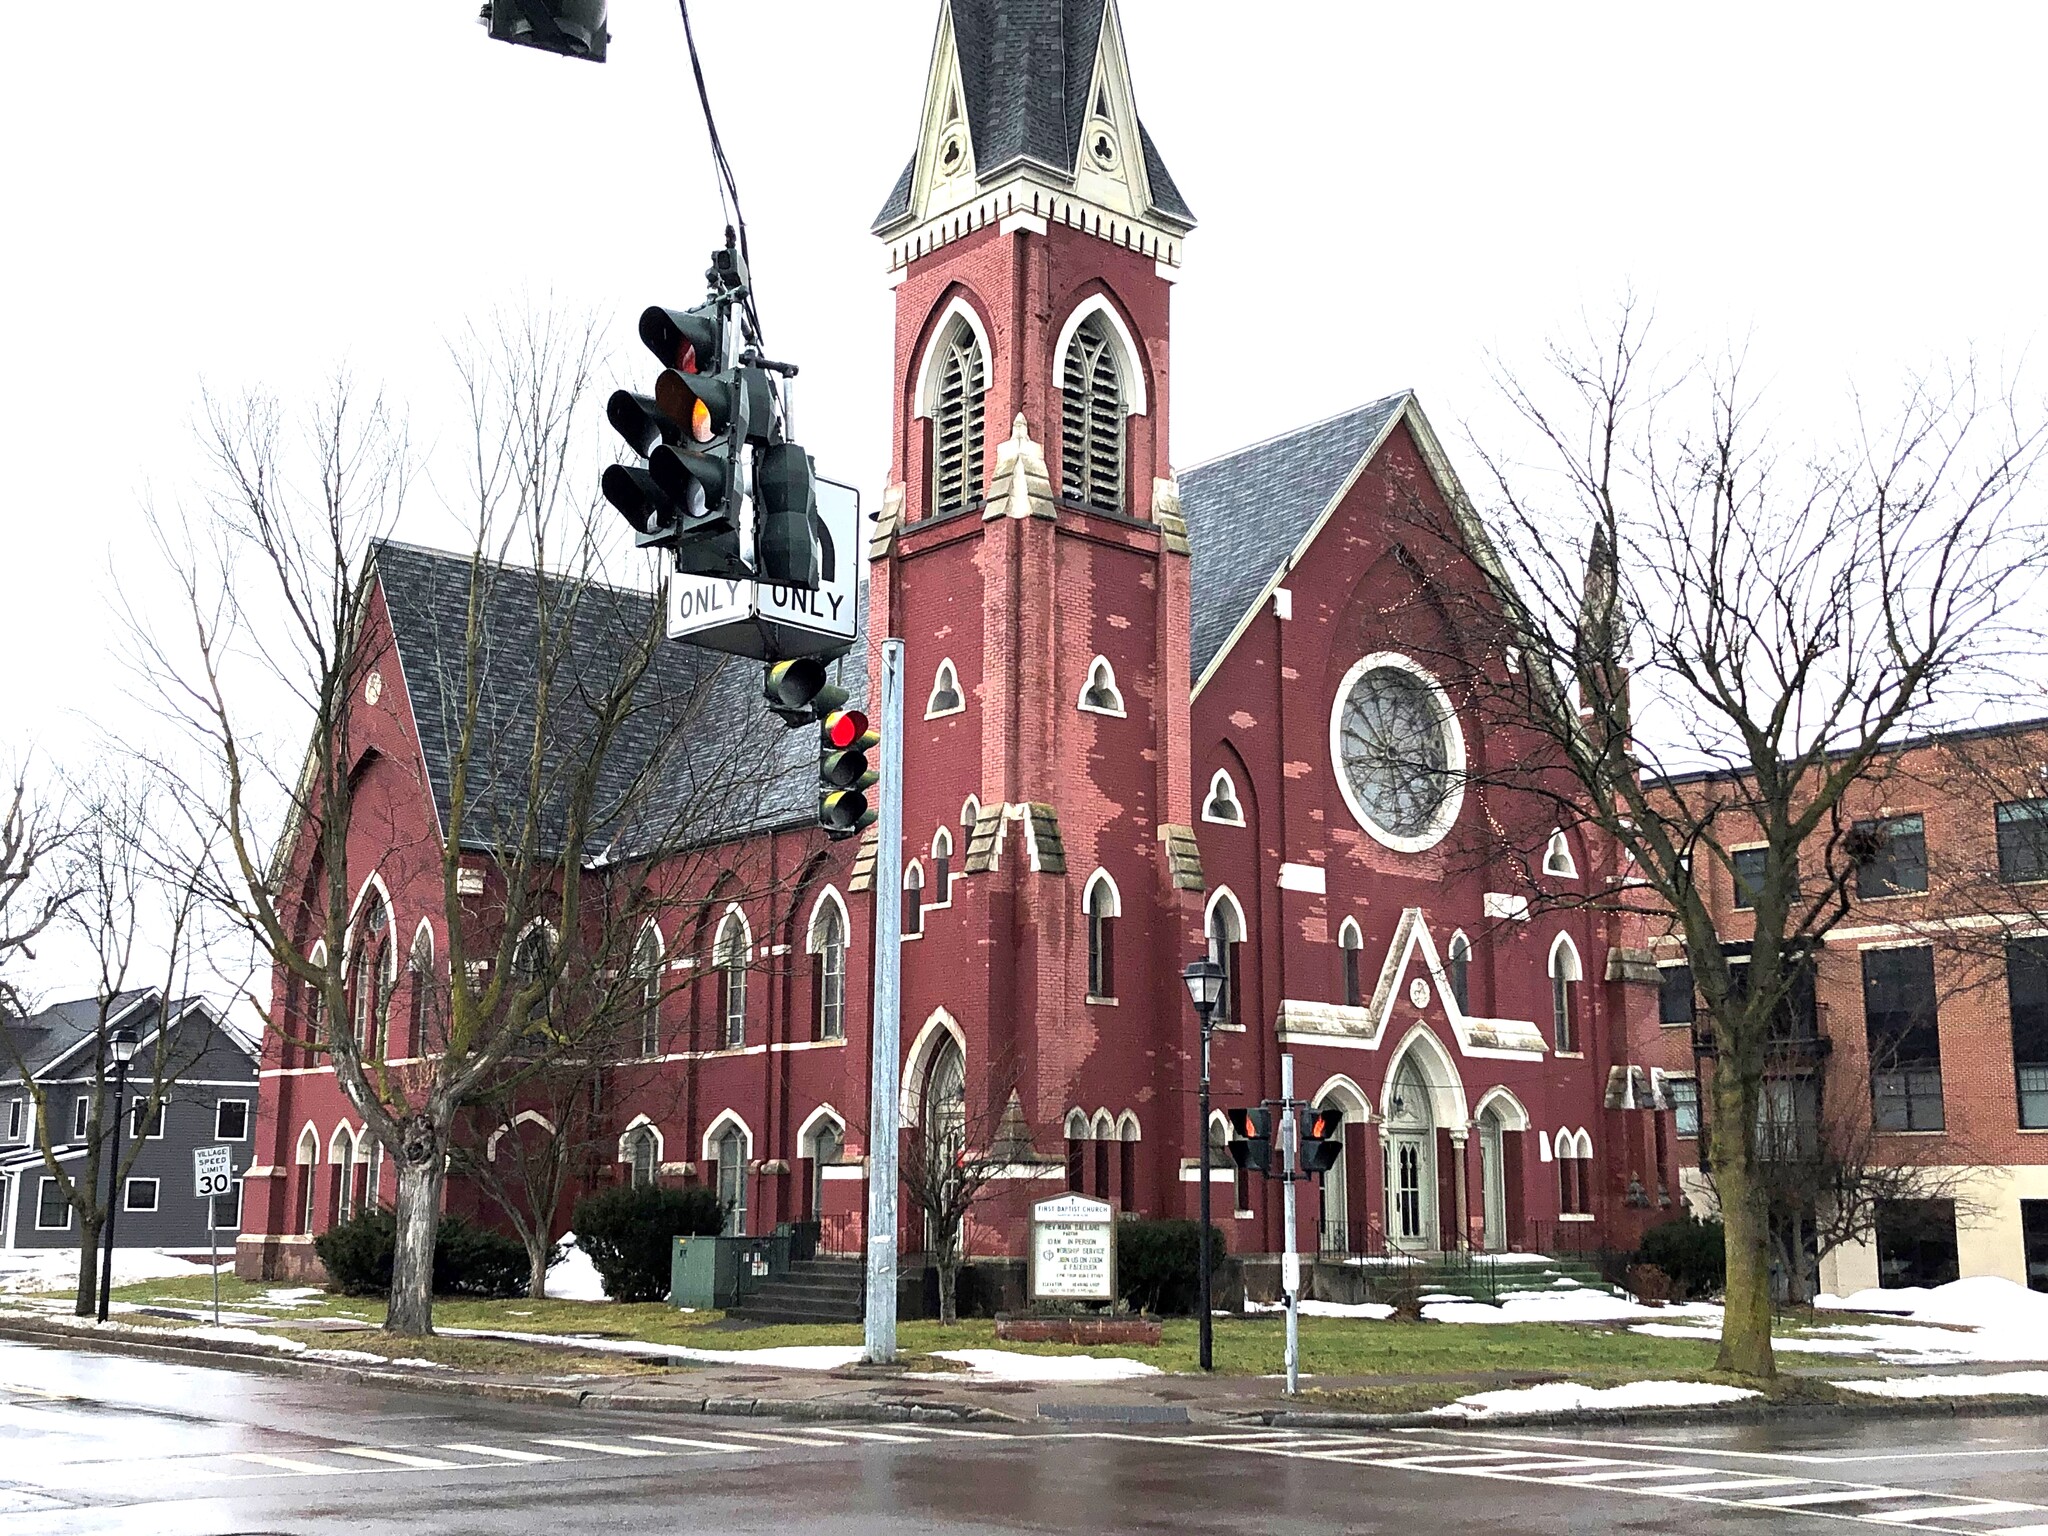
209	1072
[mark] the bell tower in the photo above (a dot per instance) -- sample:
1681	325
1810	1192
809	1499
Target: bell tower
1031	554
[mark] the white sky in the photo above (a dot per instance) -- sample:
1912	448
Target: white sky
250	192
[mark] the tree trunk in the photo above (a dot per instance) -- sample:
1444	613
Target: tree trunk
1746	1301
949	1279
88	1269
420	1176
537	1246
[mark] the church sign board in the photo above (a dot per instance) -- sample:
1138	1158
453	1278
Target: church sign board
1073	1249
771	623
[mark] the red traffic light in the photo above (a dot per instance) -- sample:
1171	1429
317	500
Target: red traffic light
845	727
1321	1124
1254	1124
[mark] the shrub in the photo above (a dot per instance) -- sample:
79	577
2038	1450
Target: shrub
1691	1252
630	1233
469	1260
1155	1263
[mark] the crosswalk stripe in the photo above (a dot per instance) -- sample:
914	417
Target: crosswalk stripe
1726	1484
756	1434
1559	1464
693	1445
2019	1530
1831	1496
598	1446
1975	1509
505	1452
396	1458
1595	1478
958	1434
876	1435
286	1464
1450	1458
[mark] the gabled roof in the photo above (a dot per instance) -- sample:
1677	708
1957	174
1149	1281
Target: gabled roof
1249	510
729	767
1025	70
57	1042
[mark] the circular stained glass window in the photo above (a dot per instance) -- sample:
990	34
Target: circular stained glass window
1399	753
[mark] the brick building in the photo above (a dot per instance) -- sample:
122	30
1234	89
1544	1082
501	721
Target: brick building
1151	713
1926	1021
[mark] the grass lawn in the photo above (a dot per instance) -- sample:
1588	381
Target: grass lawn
1243	1347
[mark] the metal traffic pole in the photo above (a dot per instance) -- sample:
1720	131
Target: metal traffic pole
884	1110
1290	1260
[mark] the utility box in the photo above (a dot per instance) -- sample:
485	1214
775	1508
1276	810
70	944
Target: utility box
712	1273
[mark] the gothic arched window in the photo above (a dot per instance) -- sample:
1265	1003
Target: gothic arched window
647	967
375	976
1351	942
957	434
828	970
1092	419
1460	967
421	966
533	963
1103	908
729	954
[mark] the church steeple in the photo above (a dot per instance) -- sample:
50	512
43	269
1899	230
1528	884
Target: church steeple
1029	111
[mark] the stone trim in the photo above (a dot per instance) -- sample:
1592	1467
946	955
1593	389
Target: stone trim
1183	858
1633	965
1022	486
863	877
1048	852
888	523
985	840
1167	514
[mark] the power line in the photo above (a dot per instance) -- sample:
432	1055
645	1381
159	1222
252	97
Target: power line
728	185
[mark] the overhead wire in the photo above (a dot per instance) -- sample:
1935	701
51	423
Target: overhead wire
728	184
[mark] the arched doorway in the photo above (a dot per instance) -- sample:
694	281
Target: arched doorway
1493	1189
943	1115
1409	1147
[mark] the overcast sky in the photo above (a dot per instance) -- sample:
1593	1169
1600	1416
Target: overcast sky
249	192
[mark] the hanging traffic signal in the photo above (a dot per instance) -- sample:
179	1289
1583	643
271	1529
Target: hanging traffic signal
1251	1144
798	692
844	745
786	520
572	28
689	340
1322	1139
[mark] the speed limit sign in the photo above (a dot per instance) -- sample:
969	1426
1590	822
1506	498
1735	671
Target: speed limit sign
213	1170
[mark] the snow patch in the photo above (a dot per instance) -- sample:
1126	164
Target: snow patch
573	1277
1377	1310
1999	1384
1569	1397
56	1269
1007	1365
1581	1305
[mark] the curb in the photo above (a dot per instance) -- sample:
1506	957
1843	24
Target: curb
223	1353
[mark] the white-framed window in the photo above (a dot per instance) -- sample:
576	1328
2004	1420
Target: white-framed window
307	1160
945	697
958	385
420	976
1557	856
1102	903
1564	989
1458	962
533	965
942	867
970	813
15	1117
643	1156
827	945
729	955
1350	948
1221	804
372	976
913	900
139	1195
1100	694
231	1120
227	1209
146	1121
647	966
1092	414
1684	1095
731	1147
81	1108
1226	935
53	1211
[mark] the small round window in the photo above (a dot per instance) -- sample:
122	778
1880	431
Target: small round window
1102	143
1398	752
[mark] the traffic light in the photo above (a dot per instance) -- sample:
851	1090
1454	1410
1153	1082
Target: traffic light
798	692
1322	1139
1251	1144
573	28
844	777
786	523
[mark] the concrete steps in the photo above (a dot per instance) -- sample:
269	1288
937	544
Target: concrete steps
814	1291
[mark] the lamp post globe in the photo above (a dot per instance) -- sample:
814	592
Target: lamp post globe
1204	978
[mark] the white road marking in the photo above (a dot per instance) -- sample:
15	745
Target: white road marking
695	1445
508	1454
1831	1496
756	1434
599	1447
1592	1479
396	1458
2019	1530
876	1435
960	1434
289	1464
1741	1482
1972	1511
1802	1458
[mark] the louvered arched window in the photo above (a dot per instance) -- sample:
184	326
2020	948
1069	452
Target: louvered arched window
1092	419
957	422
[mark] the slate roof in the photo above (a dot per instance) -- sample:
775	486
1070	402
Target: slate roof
726	767
42	1039
1247	510
1025	69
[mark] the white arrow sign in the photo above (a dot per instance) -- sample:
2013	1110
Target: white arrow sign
748	618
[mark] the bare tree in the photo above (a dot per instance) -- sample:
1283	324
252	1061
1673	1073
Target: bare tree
1678	641
574	742
138	909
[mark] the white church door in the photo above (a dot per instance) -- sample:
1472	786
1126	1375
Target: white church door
1411	1164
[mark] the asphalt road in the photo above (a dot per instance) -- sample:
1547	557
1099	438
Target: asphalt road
100	1444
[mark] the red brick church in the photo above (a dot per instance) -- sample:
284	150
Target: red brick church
1150	714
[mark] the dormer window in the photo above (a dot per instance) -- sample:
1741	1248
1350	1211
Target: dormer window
1092	419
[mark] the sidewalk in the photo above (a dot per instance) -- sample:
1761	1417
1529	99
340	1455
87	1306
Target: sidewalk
866	1394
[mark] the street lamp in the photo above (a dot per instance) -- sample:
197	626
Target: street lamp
123	1047
1205	984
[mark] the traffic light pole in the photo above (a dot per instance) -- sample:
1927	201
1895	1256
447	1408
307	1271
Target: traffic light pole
1290	1259
885	1113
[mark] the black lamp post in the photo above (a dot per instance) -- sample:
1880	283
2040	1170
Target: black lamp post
124	1052
1205	984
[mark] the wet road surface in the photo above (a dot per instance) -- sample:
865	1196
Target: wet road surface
93	1444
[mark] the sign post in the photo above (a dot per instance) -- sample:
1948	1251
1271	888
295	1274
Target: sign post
213	1173
885	1109
1290	1260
